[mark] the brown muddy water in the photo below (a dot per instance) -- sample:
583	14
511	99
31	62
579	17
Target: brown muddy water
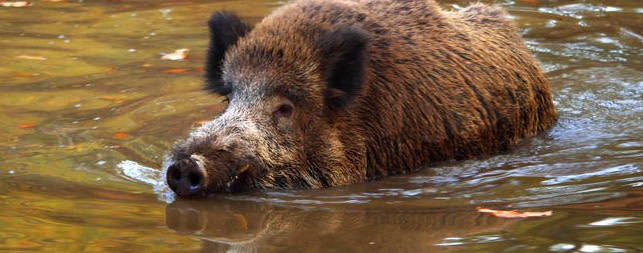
88	111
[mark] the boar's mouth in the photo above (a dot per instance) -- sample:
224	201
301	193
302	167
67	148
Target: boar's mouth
234	180
238	182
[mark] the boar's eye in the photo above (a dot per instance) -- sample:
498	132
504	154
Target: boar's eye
283	111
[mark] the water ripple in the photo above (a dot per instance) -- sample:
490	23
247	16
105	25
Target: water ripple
139	173
618	170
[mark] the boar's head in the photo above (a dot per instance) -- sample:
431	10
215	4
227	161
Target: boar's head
291	90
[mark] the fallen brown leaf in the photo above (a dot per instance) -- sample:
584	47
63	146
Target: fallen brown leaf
513	213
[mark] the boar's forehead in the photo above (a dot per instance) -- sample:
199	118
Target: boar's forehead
262	70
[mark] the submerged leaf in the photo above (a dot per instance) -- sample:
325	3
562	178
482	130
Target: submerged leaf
243	222
513	213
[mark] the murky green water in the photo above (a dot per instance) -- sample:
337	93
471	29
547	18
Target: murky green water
87	111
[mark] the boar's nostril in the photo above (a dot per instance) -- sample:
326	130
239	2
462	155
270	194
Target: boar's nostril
175	174
195	179
186	178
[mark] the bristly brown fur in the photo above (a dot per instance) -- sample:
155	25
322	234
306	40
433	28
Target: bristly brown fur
384	87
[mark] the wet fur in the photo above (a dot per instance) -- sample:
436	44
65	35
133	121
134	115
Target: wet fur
380	88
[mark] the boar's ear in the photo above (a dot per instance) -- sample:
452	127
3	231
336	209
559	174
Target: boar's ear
343	62
225	30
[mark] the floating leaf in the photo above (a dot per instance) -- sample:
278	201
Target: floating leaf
24	75
513	213
201	122
16	4
178	55
26	125
31	57
113	99
175	70
120	135
218	107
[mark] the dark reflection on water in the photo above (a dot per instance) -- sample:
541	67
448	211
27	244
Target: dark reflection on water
84	132
255	227
223	225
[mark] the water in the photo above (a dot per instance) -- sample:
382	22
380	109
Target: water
88	110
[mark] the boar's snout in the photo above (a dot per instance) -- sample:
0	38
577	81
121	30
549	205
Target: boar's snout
186	177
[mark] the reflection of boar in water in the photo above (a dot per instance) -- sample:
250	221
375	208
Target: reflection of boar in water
248	226
328	93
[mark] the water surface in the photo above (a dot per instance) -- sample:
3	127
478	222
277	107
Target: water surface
88	111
